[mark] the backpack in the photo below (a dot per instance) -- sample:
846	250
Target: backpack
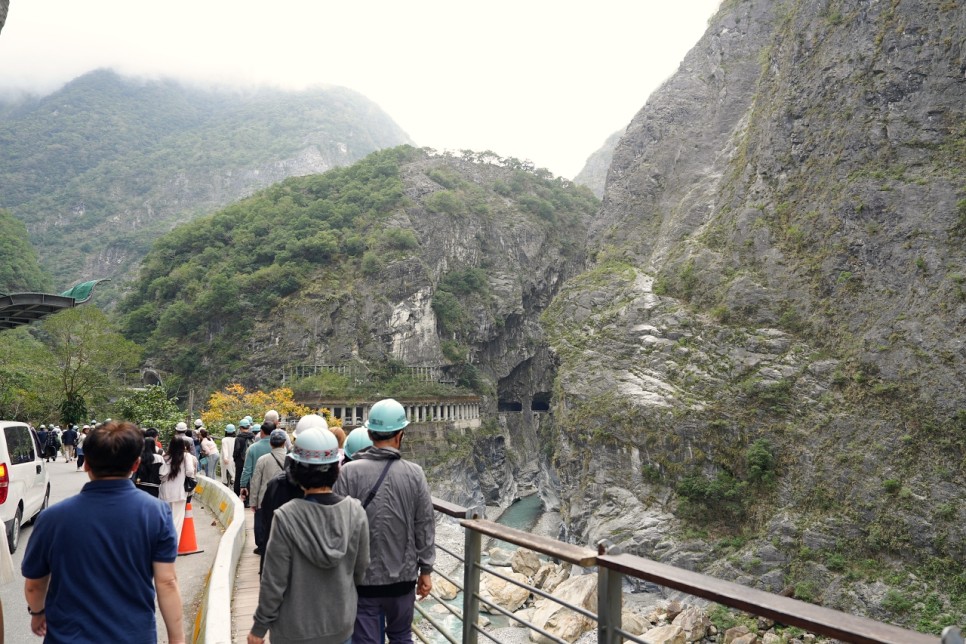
241	446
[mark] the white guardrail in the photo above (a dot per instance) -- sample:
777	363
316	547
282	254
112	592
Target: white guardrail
213	621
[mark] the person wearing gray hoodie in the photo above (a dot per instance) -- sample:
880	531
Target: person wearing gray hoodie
317	553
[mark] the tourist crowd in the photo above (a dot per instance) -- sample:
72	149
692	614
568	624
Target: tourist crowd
342	513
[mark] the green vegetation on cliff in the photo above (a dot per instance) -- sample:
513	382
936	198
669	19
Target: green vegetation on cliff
205	283
19	269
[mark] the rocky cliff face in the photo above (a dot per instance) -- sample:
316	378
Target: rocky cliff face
769	343
389	314
594	173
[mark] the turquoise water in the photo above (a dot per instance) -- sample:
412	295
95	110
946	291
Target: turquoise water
523	514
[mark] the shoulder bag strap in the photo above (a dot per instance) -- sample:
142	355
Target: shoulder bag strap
375	488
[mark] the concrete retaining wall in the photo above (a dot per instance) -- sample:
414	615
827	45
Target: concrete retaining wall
213	621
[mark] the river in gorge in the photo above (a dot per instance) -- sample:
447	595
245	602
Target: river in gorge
523	514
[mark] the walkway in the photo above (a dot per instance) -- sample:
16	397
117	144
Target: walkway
245	594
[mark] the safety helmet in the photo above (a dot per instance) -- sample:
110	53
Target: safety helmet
357	439
229	429
199	423
386	418
249	419
245	423
316	446
310	420
181	427
43	427
277	438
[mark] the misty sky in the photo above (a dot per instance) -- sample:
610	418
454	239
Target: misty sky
539	80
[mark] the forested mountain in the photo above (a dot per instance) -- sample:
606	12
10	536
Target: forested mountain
100	168
404	257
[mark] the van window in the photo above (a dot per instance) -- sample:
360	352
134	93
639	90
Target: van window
20	444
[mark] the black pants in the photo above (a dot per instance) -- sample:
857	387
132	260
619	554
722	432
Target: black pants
238	471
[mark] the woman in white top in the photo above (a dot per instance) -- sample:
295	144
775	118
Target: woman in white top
178	463
227	456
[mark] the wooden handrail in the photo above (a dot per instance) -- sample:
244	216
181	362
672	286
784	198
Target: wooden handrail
784	610
570	553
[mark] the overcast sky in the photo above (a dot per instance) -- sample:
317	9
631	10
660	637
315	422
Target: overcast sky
542	80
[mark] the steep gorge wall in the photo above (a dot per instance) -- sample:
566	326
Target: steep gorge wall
779	257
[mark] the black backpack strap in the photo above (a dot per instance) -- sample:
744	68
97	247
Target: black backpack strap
375	488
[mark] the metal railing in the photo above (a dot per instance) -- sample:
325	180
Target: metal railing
613	566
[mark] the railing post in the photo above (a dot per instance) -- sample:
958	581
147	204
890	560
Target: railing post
952	635
609	597
471	578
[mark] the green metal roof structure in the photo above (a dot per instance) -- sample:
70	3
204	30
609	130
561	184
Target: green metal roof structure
17	309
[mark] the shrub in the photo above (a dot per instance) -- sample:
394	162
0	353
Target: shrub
444	201
761	462
401	239
371	264
449	313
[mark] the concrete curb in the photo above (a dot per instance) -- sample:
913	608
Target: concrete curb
213	622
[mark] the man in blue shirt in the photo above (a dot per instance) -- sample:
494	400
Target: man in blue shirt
111	544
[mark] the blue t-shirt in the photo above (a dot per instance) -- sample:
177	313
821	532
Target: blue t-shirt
99	548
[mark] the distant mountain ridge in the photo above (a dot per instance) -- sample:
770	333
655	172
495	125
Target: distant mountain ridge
594	173
103	166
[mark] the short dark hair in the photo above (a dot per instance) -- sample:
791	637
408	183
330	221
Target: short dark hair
111	449
308	476
267	427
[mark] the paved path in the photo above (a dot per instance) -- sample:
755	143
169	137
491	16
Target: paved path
245	594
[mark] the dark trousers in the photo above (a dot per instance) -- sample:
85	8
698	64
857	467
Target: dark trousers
80	461
379	617
237	484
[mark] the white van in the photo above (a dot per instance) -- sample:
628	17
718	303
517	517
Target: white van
24	481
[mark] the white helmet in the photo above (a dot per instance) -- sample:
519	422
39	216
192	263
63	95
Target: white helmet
316	446
181	428
198	423
310	420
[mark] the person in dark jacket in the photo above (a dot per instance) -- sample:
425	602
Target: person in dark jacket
69	439
52	446
243	439
42	440
148	475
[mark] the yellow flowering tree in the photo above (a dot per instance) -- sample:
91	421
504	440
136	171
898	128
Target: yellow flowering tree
234	402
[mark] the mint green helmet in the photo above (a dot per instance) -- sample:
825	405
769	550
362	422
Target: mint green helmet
357	439
386	418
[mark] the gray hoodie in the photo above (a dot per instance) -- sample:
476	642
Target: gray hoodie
316	554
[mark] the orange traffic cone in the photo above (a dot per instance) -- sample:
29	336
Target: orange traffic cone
187	544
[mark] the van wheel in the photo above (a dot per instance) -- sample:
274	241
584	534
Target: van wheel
13	535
